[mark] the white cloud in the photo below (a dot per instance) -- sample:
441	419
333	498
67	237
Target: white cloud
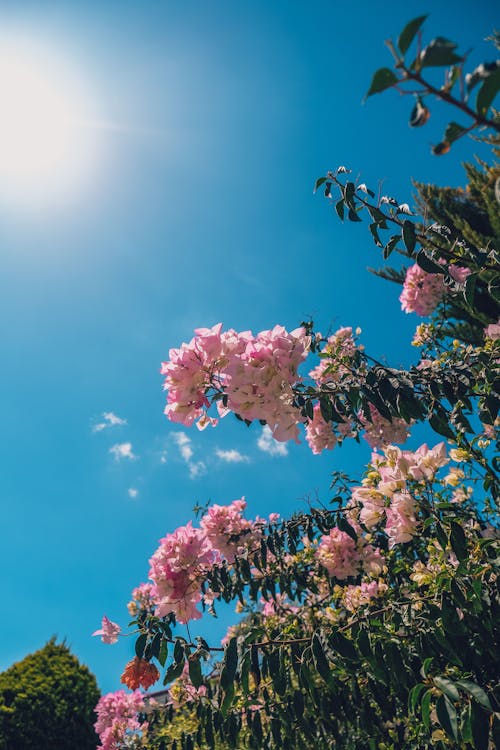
184	445
231	456
122	450
133	492
268	444
163	457
196	468
110	420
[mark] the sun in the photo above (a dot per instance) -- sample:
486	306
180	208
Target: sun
44	150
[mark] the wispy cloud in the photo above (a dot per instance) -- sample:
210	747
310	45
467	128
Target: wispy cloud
184	444
268	444
122	450
196	468
133	493
231	456
110	420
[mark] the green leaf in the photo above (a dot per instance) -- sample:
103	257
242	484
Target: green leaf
487	93
374	231
458	543
179	650
353	215
428	265
447	687
257	728
453	132
465	725
409	235
408	34
377	216
155	645
173	672
415	695
209	732
228	672
442	538
383	79
449	617
494	287
298	703
339	208
426	709
163	653
195	671
140	645
480	727
320	660
343	646
447	716
476	692
470	289
424	671
320	181
390	245
344	525
439	52
349	194
439	424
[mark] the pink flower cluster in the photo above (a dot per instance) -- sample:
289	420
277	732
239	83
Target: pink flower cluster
357	596
117	719
256	374
401	520
177	570
142	598
319	434
336	357
179	565
343	557
278	606
228	532
421	291
389	498
380	431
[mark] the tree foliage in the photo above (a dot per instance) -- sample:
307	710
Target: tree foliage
372	621
47	702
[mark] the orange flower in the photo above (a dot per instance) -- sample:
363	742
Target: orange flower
139	672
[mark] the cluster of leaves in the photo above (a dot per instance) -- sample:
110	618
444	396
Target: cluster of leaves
441	53
47	702
449	227
465	382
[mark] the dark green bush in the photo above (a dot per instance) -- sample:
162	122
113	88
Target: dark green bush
47	702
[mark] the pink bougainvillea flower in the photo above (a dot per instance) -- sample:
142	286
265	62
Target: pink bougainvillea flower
380	432
492	331
117	719
459	273
109	631
421	291
319	434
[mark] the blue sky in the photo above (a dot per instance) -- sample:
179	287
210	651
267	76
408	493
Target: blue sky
206	125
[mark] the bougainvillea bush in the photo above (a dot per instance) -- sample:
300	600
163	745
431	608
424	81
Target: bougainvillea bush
372	622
